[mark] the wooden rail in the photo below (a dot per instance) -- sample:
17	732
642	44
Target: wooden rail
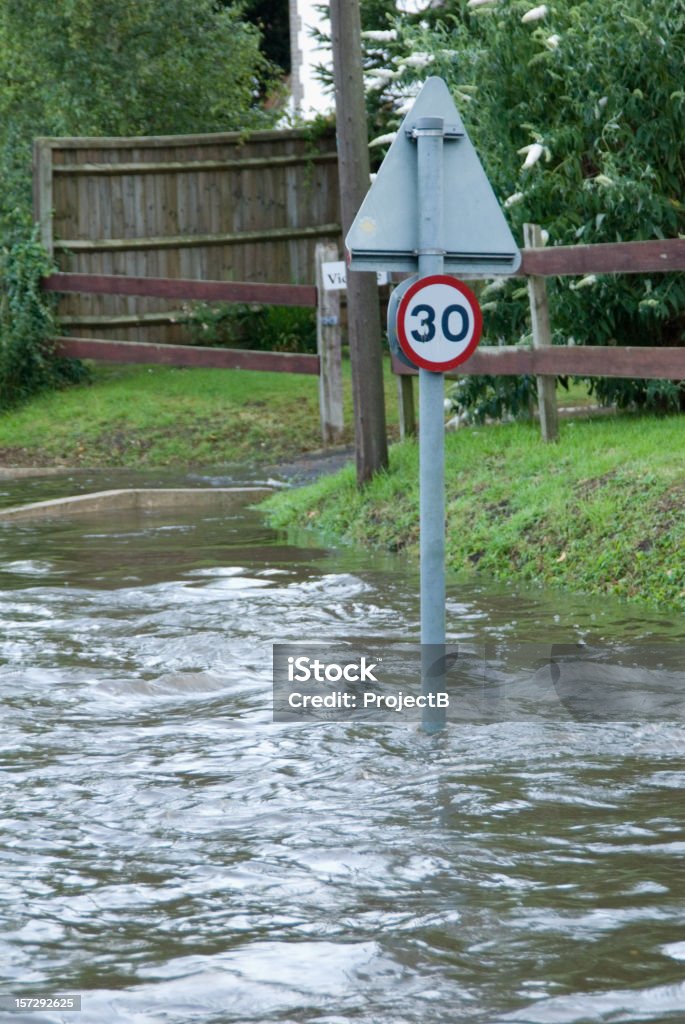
183	288
185	355
604	258
581	360
191	166
572	360
138	244
325	365
653	363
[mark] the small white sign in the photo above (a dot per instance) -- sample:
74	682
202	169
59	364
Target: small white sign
335	276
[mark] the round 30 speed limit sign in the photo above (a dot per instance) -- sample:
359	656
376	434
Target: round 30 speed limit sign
439	323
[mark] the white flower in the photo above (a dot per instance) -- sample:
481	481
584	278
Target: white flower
515	197
553	41
389	36
405	106
383	140
495	285
416	60
379	79
478	3
603	179
585	282
535	13
533	153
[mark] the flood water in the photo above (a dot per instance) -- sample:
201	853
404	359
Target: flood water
172	855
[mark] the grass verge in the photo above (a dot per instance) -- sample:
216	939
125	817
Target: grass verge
601	511
141	416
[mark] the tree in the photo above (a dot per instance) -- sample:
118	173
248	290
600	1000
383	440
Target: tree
577	111
118	67
364	327
272	17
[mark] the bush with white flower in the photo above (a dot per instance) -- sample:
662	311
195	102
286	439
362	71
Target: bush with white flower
577	110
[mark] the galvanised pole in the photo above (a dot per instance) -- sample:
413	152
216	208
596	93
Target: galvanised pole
429	133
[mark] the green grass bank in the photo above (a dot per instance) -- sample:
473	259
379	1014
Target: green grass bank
600	512
148	416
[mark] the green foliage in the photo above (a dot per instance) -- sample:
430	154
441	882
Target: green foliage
119	67
578	116
494	398
27	323
252	326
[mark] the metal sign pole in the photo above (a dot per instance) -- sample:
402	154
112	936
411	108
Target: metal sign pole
429	134
434	321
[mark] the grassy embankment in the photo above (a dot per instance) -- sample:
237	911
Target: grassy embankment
141	416
602	511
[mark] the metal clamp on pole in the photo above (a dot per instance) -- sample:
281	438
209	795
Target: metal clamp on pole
447	131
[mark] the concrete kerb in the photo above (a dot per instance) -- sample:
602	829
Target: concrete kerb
143	498
26	472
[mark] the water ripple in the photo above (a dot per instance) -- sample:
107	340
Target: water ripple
172	854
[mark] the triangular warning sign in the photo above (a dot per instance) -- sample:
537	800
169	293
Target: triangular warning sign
476	237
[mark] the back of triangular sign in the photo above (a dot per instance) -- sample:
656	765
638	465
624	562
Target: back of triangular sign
477	239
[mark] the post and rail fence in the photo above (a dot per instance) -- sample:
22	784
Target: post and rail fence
326	364
546	361
139	225
543	360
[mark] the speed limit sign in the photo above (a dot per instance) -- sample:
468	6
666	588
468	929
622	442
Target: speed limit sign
439	323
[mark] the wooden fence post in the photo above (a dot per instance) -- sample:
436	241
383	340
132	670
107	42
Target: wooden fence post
42	191
405	405
542	338
330	349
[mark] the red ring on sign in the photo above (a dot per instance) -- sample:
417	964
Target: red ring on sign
472	301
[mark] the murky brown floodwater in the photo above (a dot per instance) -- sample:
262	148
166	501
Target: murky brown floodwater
172	855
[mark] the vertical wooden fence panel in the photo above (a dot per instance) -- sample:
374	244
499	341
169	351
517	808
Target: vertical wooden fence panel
229	207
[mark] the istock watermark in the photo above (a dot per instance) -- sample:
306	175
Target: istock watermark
394	682
382	682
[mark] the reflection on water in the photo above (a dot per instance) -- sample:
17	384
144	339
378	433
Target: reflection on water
173	855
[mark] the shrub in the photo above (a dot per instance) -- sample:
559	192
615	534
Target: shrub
109	67
577	110
27	325
252	326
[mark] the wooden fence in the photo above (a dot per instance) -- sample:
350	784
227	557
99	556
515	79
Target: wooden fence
224	207
326	363
144	224
544	360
